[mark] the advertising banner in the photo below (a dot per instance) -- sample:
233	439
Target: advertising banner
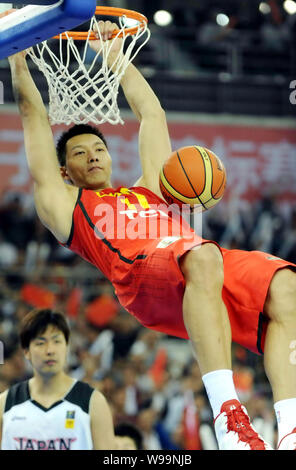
258	159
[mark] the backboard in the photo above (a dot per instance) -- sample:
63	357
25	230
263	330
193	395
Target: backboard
40	20
30	2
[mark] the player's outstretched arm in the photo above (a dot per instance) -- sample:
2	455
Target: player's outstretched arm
39	143
53	198
102	428
154	141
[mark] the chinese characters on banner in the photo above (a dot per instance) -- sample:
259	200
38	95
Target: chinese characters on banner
257	159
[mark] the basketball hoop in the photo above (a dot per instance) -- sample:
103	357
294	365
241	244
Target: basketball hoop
88	92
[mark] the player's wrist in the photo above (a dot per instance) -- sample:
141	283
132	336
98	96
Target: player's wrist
18	60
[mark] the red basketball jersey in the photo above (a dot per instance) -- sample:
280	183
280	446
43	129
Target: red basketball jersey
132	236
135	239
119	226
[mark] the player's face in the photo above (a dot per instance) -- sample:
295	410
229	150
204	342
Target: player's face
48	352
88	163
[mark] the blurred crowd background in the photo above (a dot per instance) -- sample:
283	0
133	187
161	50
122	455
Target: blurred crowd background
210	56
149	379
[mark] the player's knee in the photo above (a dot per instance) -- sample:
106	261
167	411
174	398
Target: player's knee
203	266
281	300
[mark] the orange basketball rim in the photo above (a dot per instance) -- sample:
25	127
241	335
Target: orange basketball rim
109	11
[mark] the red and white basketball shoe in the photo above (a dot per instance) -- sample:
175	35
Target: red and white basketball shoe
288	442
234	430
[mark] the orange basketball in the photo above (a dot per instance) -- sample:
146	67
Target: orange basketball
193	175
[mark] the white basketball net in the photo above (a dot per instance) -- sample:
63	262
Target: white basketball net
82	90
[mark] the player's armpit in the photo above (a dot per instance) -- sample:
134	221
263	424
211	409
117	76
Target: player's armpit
102	428
55	204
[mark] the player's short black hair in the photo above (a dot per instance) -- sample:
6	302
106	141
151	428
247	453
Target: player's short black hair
129	430
35	323
77	129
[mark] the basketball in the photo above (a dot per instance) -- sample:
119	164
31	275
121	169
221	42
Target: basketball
193	175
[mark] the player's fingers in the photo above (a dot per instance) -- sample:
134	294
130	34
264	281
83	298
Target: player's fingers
109	28
104	29
98	29
113	27
99	26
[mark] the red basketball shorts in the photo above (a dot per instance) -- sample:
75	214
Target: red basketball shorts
152	290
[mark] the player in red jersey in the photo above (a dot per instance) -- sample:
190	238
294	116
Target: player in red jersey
207	294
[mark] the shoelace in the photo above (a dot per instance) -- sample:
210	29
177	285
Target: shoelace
238	422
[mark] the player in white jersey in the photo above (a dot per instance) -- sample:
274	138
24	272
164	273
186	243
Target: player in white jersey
52	411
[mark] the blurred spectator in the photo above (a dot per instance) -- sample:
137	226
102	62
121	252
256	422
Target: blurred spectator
8	253
269	226
146	421
118	406
107	386
206	429
14	369
95	351
274	36
15	223
132	391
287	250
212	34
125	329
128	437
261	414
243	378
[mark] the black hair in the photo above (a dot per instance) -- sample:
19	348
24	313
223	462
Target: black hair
77	129
36	322
129	430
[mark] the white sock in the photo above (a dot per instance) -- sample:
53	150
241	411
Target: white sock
285	411
220	388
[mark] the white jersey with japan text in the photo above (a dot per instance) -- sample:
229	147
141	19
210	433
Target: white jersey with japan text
27	425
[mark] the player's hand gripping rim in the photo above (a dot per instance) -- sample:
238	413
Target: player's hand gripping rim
104	31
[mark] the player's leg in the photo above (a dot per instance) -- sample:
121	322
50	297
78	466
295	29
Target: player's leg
279	352
203	306
206	321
